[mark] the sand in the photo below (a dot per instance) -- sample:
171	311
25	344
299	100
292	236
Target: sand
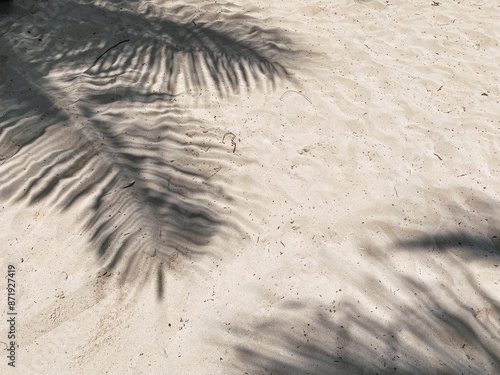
250	188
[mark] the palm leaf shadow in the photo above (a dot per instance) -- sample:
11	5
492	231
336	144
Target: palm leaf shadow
189	49
100	136
421	329
431	314
315	341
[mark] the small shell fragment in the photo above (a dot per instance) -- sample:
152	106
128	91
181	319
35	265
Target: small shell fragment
101	272
150	252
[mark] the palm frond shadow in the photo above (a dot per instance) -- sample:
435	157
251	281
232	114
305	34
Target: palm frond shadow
5	6
147	191
473	233
420	329
314	341
104	138
184	50
477	246
431	314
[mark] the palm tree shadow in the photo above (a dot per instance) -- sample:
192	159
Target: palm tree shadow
473	233
400	314
313	340
180	49
109	137
403	326
477	246
5	6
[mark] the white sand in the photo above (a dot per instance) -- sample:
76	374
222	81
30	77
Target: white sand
349	223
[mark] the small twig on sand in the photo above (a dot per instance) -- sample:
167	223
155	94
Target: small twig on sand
439	157
213	174
109	49
129	185
297	92
232	140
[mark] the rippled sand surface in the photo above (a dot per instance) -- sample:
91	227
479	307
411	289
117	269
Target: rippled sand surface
251	188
